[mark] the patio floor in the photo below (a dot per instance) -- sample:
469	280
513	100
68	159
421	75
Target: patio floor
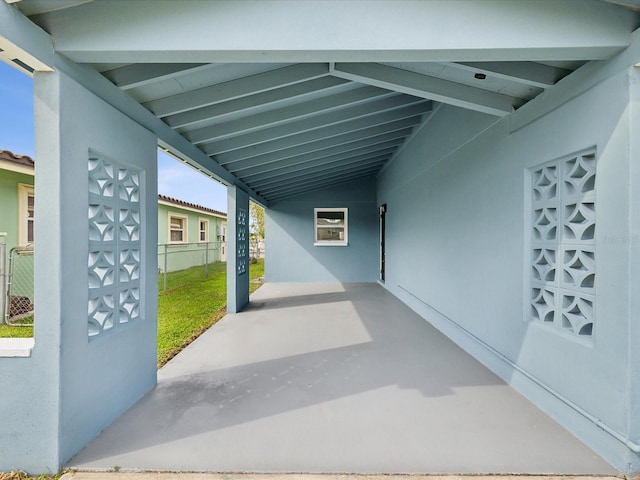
332	378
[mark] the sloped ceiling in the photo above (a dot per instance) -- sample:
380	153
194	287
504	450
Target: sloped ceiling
285	128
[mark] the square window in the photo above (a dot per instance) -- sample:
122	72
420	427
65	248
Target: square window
203	235
26	203
177	229
331	226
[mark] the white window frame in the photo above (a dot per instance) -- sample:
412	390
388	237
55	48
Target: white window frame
206	230
185	229
331	243
24	191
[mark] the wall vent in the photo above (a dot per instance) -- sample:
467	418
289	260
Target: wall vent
562	238
115	251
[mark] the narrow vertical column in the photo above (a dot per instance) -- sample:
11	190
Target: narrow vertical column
238	249
95	266
633	390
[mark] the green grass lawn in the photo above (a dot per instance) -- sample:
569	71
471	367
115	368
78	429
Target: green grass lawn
7	331
191	304
20	475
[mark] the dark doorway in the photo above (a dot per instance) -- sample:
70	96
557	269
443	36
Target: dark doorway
383	213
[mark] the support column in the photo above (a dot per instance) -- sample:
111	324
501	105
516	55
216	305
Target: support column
30	432
633	391
96	258
238	249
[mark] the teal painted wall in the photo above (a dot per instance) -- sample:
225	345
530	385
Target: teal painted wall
9	204
181	256
290	255
23	284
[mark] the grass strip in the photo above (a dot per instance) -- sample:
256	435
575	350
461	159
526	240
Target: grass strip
191	304
8	331
20	475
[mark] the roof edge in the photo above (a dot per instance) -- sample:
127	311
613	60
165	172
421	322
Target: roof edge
195	206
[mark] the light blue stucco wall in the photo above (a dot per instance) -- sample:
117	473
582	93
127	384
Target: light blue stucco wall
634	265
456	253
72	387
97	381
290	255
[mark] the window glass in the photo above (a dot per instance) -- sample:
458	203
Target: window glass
176	229
204	230
26	203
30	210
331	226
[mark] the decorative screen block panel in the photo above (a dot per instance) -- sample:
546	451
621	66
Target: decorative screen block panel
242	240
114	246
563	256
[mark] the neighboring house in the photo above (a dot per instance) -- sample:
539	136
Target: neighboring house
189	234
193	233
16	230
16	199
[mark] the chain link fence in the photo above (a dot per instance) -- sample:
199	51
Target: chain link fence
174	258
18	291
17	274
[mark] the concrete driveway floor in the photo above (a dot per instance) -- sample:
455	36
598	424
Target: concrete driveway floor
333	378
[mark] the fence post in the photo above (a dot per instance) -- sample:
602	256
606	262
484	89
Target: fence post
206	259
165	267
3	282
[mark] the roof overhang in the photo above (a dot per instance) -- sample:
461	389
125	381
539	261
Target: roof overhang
282	97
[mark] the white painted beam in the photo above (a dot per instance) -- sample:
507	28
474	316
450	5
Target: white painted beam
352	118
347	157
336	102
329	178
19	59
217	112
324	147
319	169
313	139
332	117
323	183
308	182
370	145
241	87
193	31
36	7
352	149
322	172
528	73
425	86
578	82
139	74
319	157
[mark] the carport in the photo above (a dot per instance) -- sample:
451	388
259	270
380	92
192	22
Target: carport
333	378
474	159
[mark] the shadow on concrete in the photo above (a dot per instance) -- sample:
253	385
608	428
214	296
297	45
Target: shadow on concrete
334	378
